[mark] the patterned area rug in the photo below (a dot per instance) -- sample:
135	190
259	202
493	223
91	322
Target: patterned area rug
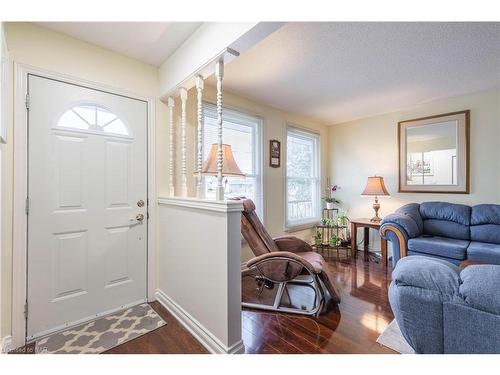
393	339
104	333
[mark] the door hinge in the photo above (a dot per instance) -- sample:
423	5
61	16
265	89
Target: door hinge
27	101
26	310
27	207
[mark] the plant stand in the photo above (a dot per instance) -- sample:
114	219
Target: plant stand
329	230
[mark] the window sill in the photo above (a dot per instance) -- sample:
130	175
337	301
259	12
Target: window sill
299	227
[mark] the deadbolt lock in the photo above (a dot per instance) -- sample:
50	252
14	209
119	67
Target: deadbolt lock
140	203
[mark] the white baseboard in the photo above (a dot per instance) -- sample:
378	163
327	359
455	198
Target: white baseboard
7	344
205	337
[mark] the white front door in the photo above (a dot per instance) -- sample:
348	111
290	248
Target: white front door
87	184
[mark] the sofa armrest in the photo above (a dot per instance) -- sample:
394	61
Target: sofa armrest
404	222
292	244
398	228
428	274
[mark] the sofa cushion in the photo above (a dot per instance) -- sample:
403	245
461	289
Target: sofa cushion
484	252
446	219
450	260
485	221
480	287
448	229
457	213
442	246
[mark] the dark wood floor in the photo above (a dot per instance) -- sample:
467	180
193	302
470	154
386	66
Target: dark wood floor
172	338
350	327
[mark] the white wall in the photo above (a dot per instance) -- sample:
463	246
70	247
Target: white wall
46	49
369	146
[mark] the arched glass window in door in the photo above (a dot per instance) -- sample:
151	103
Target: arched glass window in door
92	118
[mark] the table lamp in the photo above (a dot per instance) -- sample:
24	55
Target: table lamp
375	187
229	166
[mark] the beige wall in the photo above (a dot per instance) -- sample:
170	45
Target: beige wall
42	48
362	148
274	122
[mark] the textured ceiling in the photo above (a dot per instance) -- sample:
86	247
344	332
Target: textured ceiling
150	42
338	72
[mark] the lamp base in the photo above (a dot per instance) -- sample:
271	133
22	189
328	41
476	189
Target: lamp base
376	207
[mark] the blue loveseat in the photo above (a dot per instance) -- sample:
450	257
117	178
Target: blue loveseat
441	309
453	232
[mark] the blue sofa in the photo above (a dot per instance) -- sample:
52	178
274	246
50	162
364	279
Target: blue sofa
441	309
453	232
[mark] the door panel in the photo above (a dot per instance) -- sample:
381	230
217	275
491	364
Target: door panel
117	266
87	168
69	155
70	255
117	173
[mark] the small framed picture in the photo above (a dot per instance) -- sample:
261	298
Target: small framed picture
274	153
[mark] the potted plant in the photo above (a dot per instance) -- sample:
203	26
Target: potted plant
329	198
317	238
342	220
334	240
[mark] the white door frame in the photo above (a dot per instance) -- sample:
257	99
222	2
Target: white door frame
20	219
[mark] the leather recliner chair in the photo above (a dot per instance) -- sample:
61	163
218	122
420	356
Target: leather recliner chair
285	260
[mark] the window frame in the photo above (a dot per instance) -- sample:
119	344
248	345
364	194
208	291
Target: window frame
296	225
239	116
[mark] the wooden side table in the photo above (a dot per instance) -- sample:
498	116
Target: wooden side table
366	224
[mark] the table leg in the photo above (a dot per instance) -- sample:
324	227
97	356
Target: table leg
354	240
366	239
383	249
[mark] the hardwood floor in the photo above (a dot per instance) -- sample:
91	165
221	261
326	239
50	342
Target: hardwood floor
350	327
172	338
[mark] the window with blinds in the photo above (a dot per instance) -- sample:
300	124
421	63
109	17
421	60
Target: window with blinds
243	133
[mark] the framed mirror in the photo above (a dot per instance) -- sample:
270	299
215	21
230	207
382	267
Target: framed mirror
434	154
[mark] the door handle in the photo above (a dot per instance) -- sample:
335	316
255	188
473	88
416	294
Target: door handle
137	220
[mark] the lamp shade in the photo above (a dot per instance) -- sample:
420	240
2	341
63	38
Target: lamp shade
229	166
375	186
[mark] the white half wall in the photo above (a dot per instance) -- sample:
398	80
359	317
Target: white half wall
200	269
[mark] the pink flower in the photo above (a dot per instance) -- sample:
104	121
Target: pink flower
335	187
